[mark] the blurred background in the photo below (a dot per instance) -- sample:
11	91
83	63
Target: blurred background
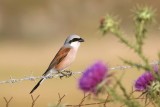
32	31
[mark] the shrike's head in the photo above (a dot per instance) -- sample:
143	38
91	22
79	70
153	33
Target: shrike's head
73	41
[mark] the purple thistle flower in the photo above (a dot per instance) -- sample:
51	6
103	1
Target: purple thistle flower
92	76
144	81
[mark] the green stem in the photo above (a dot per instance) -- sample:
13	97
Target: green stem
140	35
118	34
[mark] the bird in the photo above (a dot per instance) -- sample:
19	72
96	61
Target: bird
63	59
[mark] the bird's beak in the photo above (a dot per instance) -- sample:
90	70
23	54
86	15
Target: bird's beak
81	40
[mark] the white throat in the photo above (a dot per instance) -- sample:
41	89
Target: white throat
75	45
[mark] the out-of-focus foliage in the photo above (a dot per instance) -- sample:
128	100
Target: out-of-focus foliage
42	19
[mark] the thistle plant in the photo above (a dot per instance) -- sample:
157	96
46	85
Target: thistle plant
142	17
149	82
149	85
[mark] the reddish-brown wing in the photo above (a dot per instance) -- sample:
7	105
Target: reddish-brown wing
62	53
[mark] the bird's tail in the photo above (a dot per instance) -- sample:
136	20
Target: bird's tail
37	85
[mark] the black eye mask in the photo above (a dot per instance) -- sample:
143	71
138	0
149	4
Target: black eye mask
76	39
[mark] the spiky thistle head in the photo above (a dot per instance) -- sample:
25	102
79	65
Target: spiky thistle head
109	24
143	13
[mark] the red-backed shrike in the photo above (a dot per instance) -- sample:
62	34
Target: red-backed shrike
63	58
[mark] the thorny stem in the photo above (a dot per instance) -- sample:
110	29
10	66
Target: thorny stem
140	34
134	64
139	51
123	90
139	40
118	34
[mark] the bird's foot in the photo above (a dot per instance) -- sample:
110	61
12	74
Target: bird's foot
65	73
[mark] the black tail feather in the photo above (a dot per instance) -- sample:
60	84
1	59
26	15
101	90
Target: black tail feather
37	85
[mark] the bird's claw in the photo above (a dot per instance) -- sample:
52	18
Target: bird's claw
66	74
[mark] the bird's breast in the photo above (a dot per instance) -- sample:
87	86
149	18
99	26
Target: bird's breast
70	57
